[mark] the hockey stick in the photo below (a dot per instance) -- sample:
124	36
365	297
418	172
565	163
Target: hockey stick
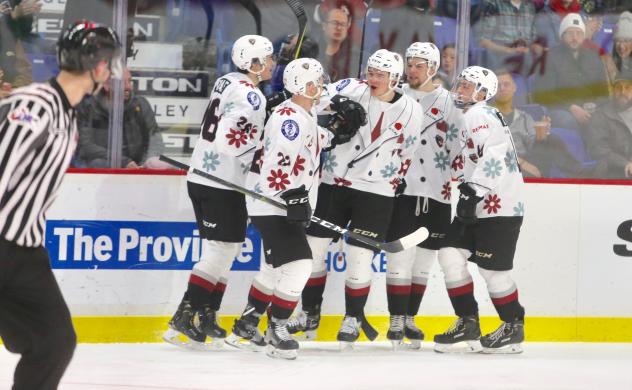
368	9
254	11
403	243
299	12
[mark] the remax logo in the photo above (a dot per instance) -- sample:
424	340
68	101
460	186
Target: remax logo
136	245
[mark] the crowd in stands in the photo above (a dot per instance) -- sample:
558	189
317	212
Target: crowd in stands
564	66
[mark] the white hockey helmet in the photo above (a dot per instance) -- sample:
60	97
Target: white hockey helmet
483	79
299	73
427	51
250	47
387	61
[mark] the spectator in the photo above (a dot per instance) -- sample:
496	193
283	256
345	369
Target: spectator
547	21
403	22
610	136
507	31
16	21
142	141
574	80
538	150
622	53
336	54
448	65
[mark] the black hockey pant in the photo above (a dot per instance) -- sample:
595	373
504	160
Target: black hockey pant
34	318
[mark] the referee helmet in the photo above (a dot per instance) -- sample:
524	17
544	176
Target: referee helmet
83	44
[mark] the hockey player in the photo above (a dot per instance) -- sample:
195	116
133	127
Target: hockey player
487	224
285	168
426	198
38	137
232	125
360	179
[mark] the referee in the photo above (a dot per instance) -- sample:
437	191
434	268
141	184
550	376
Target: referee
38	136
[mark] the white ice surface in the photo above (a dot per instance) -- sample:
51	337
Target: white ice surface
320	366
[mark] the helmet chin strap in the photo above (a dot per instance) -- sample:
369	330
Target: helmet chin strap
258	74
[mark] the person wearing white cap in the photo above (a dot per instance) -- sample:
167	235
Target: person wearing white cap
574	79
622	53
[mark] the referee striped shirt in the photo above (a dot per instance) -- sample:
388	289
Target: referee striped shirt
38	136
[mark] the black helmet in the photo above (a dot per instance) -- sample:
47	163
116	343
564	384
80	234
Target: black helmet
83	44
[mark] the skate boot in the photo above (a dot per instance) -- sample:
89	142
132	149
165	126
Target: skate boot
306	321
280	342
507	338
245	333
183	331
395	332
413	333
208	325
462	336
348	333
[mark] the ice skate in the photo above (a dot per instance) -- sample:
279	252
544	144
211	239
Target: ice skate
209	326
245	333
280	342
348	333
462	336
507	338
395	332
413	333
184	331
306	321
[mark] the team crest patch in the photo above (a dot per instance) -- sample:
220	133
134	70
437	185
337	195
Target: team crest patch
343	84
289	128
22	116
254	100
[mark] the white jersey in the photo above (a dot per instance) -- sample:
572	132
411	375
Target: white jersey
287	157
379	155
490	163
231	127
430	172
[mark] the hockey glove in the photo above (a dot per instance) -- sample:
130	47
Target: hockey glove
466	207
400	187
347	118
299	210
275	99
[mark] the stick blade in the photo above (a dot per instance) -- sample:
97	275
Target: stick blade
409	241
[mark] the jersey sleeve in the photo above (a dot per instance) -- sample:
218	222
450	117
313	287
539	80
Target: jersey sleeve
228	121
281	162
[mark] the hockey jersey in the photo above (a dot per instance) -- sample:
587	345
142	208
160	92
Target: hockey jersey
379	155
490	163
431	169
231	127
287	157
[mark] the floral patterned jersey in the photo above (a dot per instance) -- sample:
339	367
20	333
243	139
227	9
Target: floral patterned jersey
490	163
231	127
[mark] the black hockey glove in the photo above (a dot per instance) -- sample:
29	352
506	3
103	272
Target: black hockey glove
275	99
347	118
299	210
400	188
466	207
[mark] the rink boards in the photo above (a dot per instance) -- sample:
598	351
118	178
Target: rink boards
122	247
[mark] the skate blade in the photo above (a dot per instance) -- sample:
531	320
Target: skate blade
413	344
180	340
507	349
280	353
396	345
240	343
469	346
346	346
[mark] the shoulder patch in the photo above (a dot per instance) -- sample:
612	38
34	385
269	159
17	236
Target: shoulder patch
22	116
343	84
254	100
221	84
290	130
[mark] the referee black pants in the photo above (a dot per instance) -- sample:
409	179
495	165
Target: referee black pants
34	318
